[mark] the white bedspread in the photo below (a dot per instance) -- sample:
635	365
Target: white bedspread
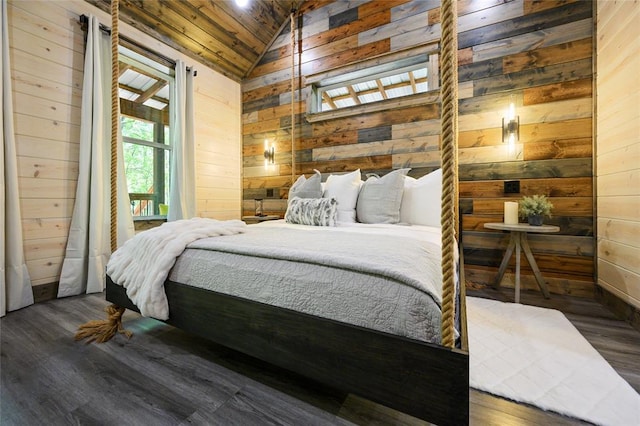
142	264
382	277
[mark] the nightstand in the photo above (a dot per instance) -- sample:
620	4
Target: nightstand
257	219
517	241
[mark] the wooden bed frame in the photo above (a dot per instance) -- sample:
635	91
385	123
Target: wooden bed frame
425	380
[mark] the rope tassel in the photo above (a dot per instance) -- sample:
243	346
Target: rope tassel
101	331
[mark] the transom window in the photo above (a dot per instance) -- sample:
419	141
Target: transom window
384	82
394	84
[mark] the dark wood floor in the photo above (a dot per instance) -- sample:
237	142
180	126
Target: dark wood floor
163	376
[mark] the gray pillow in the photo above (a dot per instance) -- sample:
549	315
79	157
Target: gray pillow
380	198
312	211
307	188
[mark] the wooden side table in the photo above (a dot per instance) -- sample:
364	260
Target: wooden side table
518	239
257	219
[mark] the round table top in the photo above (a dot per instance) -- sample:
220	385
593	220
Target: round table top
522	227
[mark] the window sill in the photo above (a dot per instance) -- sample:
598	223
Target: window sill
142	223
143	218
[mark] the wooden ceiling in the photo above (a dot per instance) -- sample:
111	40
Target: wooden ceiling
218	33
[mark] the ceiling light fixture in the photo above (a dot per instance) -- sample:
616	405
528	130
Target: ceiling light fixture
242	3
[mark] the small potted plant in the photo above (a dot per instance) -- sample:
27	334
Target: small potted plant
535	208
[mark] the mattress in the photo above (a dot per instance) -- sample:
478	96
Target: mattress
383	277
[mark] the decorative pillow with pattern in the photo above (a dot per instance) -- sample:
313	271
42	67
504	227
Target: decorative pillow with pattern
312	211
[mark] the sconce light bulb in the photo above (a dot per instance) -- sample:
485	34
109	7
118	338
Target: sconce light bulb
242	3
269	153
512	111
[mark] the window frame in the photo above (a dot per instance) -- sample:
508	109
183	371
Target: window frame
377	67
160	148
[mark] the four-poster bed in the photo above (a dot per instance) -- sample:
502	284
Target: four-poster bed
426	380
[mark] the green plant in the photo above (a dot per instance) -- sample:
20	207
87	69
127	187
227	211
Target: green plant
535	205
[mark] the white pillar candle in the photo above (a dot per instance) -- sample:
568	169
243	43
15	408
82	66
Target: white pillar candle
510	212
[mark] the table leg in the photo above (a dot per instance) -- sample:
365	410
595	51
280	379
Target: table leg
518	239
505	259
534	267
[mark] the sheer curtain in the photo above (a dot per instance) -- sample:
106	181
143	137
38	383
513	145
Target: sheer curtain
88	246
182	196
15	284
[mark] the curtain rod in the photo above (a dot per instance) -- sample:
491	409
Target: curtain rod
135	46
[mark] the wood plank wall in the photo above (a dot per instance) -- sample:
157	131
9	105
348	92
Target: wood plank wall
618	149
47	54
538	52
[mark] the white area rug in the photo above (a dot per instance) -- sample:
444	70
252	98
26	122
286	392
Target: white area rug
535	355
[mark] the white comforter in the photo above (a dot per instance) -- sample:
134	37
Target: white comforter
142	264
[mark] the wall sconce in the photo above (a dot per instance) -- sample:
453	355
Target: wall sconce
511	125
269	153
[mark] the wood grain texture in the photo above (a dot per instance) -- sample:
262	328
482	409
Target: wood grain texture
564	52
532	22
206	381
217	34
46	61
538	54
618	151
310	346
558	91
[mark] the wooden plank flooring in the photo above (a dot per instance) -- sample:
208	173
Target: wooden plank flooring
163	376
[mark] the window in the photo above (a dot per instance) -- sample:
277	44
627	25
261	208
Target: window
144	88
373	88
389	81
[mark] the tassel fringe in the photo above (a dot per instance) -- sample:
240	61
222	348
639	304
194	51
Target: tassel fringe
101	331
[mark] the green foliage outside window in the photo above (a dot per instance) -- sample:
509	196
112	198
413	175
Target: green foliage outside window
138	159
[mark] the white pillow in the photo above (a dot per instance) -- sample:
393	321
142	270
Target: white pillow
421	200
344	188
379	198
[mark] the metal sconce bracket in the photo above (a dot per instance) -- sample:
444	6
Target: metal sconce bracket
511	127
270	154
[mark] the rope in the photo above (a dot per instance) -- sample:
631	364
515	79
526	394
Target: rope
100	331
449	132
115	113
293	95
